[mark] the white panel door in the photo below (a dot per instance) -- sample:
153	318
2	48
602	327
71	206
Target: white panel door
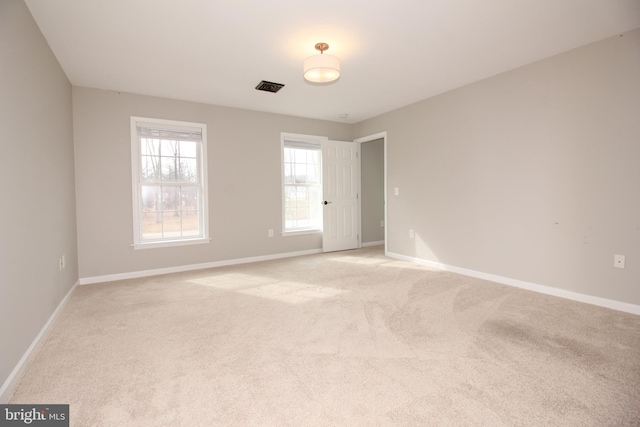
340	186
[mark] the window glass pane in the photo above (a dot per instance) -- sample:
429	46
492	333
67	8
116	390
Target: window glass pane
301	195
300	172
189	211
189	199
151	225
170	198
313	177
169	167
150	169
188	170
151	198
151	217
149	147
309	159
302	213
288	176
315	196
314	213
188	149
191	223
290	193
171	224
313	157
300	155
168	148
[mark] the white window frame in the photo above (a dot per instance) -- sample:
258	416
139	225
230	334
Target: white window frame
309	139
136	181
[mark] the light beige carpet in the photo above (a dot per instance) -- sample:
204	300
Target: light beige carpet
341	339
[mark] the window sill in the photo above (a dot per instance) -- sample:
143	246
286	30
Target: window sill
169	243
300	232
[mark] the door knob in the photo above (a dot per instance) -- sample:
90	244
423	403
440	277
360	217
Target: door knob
326	203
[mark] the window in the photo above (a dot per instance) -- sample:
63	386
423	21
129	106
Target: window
168	161
302	183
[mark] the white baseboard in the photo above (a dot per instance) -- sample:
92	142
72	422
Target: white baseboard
379	242
12	381
191	267
562	293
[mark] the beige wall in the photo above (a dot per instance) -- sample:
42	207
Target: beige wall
37	212
533	174
244	181
372	186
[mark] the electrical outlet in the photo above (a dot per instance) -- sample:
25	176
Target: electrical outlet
270	232
382	223
60	264
396	191
411	234
618	261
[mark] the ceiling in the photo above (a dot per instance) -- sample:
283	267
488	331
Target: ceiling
393	53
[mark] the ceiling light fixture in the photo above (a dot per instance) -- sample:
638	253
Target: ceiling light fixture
321	68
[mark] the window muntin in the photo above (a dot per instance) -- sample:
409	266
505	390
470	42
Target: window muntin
302	183
169	188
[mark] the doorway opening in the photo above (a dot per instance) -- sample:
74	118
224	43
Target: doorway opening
373	181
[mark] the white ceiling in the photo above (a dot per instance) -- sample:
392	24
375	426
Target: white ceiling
393	53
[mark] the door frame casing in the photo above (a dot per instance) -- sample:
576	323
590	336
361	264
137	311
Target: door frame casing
364	139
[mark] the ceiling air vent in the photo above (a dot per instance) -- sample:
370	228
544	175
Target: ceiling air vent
269	86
